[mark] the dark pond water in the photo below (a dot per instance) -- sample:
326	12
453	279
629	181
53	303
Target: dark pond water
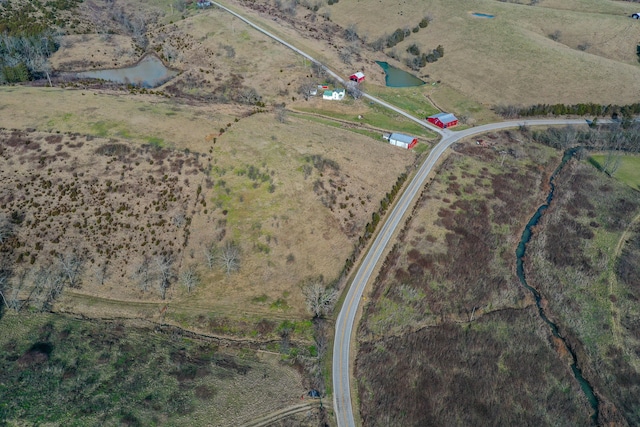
149	72
396	77
587	389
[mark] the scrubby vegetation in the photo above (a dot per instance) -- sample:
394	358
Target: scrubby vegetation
584	260
57	370
122	216
448	314
31	18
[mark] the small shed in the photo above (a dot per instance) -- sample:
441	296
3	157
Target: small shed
401	140
357	77
443	120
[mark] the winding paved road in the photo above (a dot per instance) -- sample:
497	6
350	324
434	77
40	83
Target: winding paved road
346	318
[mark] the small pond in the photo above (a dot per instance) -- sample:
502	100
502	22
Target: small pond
482	15
396	77
149	72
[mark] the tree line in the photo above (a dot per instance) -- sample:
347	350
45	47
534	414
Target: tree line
589	109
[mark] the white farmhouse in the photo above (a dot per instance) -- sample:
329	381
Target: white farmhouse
336	94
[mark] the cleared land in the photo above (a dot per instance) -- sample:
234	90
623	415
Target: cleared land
272	194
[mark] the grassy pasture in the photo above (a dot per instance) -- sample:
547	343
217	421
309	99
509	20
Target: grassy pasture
510	58
628	172
372	115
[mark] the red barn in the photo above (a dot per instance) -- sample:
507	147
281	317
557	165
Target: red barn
357	77
443	120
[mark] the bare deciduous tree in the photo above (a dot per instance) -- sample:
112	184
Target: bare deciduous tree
138	27
318	69
319	300
306	89
48	283
248	95
229	257
101	272
164	268
281	114
351	33
210	255
345	56
71	266
143	274
6	229
4	280
189	278
354	90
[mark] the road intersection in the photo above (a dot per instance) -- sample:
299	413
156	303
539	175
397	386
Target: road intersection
345	323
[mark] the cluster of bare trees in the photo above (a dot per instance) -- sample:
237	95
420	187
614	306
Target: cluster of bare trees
133	24
26	57
612	139
228	256
39	288
159	270
319	299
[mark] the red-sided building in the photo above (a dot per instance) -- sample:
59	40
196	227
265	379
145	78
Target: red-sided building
401	140
357	77
443	120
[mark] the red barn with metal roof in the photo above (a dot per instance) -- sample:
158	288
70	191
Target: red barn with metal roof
357	77
443	120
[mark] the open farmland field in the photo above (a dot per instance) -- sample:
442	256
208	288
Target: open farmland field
510	59
448	314
67	372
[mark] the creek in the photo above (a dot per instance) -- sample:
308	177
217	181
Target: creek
149	72
586	387
395	77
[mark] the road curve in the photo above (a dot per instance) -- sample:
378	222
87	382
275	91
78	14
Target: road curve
346	318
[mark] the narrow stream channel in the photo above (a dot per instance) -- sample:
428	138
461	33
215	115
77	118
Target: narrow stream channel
587	389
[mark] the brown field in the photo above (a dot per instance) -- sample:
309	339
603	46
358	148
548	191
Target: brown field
296	200
448	313
467	222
